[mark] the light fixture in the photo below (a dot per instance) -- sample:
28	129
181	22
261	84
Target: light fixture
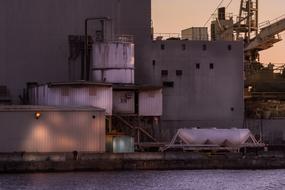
37	115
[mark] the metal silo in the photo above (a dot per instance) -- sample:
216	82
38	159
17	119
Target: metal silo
113	62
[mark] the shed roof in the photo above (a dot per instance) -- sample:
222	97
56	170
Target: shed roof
135	87
78	83
33	108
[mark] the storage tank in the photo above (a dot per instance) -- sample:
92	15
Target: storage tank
221	137
113	62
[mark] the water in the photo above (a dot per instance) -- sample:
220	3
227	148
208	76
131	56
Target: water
144	180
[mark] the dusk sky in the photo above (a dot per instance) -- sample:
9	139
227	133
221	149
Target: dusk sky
171	16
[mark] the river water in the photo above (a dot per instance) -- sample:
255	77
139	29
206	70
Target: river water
144	180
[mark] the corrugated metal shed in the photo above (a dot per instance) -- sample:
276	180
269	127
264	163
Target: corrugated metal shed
148	98
124	102
73	94
57	129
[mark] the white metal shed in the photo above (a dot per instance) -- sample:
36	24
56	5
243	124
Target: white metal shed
52	129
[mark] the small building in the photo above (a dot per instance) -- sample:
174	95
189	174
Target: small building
73	94
46	129
195	33
138	100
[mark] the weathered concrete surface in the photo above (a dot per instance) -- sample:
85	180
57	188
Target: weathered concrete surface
66	162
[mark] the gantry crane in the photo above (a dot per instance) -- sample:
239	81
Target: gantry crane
246	28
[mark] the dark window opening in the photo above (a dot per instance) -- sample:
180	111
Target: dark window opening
164	72
153	62
204	47
229	47
197	65
168	84
211	65
183	47
162	46
179	72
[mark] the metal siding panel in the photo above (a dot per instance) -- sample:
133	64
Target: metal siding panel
150	103
53	132
79	96
124	102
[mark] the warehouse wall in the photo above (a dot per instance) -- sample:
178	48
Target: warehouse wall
54	131
34	35
203	82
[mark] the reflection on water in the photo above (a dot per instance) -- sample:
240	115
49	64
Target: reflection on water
143	180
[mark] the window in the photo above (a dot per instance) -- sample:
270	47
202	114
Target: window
197	65
211	65
162	46
179	72
204	47
153	62
164	72
168	84
183	47
229	47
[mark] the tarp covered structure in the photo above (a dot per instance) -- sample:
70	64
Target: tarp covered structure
227	138
221	137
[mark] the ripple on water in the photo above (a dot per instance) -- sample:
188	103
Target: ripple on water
152	180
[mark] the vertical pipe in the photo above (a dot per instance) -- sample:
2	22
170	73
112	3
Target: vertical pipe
257	14
83	67
86	66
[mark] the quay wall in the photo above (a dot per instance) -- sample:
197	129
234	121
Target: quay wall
70	162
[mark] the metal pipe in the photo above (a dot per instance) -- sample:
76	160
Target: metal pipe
86	66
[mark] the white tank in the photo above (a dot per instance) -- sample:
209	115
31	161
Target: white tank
113	62
125	76
219	137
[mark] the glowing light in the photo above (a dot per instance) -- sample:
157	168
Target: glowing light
37	115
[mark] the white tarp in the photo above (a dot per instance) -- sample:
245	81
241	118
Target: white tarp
221	137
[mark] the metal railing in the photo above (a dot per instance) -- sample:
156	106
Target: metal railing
269	22
166	36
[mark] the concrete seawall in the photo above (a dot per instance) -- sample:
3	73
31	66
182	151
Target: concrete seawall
67	162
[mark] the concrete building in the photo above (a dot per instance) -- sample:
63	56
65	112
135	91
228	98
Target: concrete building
203	83
46	129
34	35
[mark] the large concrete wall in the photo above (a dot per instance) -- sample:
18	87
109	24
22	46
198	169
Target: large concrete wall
200	97
34	35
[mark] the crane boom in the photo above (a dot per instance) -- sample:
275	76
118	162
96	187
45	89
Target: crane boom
267	36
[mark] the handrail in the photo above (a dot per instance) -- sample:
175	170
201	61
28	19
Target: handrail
268	22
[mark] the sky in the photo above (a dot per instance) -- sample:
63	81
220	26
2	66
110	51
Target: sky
171	16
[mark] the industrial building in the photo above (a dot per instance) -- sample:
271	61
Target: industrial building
202	83
35	34
102	53
118	48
